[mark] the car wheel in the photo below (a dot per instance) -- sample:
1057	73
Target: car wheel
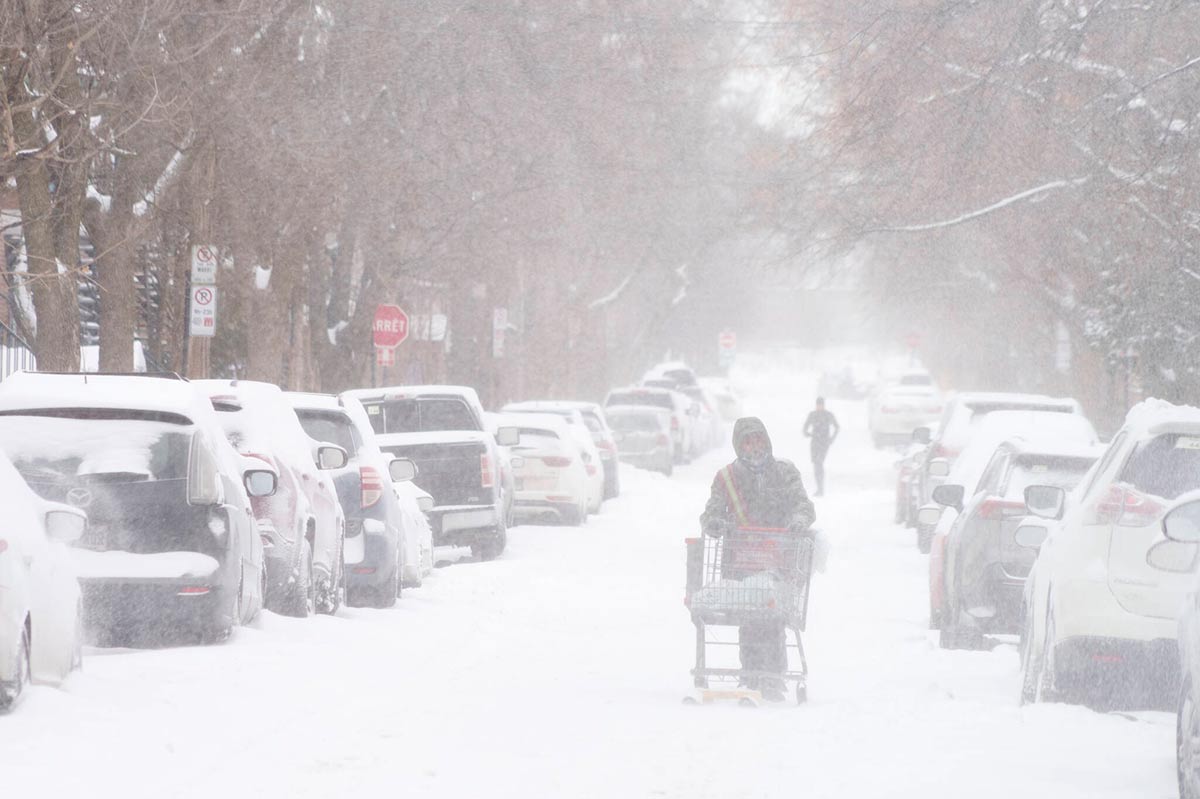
390	589
333	594
300	597
1187	744
11	692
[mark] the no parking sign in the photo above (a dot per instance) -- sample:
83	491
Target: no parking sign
202	319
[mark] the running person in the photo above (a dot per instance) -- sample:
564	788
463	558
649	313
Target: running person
823	429
758	490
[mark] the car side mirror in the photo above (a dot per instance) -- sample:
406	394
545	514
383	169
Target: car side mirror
1173	556
330	456
508	436
939	467
260	482
425	504
1031	535
1045	501
65	525
929	515
402	470
1182	523
949	495
922	435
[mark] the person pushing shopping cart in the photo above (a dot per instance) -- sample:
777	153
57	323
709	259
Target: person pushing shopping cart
752	566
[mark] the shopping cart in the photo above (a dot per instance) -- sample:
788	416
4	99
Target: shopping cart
752	575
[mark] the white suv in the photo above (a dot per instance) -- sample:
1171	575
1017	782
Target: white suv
1097	613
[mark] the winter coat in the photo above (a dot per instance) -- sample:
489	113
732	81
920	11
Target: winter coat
770	496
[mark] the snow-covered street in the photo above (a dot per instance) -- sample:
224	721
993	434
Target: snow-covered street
558	670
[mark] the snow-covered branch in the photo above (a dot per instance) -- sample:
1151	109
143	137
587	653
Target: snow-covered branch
1053	185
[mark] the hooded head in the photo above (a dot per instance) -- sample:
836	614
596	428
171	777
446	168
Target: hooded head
751	442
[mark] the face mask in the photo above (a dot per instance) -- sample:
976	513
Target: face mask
756	460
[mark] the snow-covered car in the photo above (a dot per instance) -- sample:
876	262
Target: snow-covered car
415	505
441	429
597	425
590	452
907	467
303	522
41	634
551	476
374	523
729	404
962	415
897	410
1101	612
707	422
643	436
171	545
671	401
979	586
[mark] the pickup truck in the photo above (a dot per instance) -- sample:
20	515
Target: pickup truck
441	429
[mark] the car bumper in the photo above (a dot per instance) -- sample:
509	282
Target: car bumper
1095	661
463	525
540	508
155	605
378	559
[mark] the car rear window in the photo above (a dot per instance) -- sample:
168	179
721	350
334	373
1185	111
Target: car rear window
537	438
916	380
331	427
634	423
1030	470
420	415
653	399
1166	466
592	421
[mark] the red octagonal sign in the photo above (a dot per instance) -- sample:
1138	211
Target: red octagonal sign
391	326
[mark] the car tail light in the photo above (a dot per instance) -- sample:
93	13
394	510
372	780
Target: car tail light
1126	507
662	440
674	422
194	590
486	479
1000	509
606	445
3	545
942	451
364	569
591	470
557	461
372	485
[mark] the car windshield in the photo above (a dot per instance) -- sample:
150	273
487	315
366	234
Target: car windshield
420	415
1166	466
331	427
533	438
96	445
652	398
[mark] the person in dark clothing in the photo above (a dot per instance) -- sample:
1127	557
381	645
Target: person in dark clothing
823	429
758	490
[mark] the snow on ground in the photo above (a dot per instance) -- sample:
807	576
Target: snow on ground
558	671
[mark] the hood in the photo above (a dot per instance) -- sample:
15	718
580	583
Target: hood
744	427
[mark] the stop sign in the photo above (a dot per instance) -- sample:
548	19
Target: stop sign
391	326
727	340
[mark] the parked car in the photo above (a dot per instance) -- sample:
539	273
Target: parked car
707	423
897	410
1100	614
171	545
590	452
676	371
303	526
441	429
1181	528
907	489
597	425
41	633
551	475
977	580
671	401
375	525
643	436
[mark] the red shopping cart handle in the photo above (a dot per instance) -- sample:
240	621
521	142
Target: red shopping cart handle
762	529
